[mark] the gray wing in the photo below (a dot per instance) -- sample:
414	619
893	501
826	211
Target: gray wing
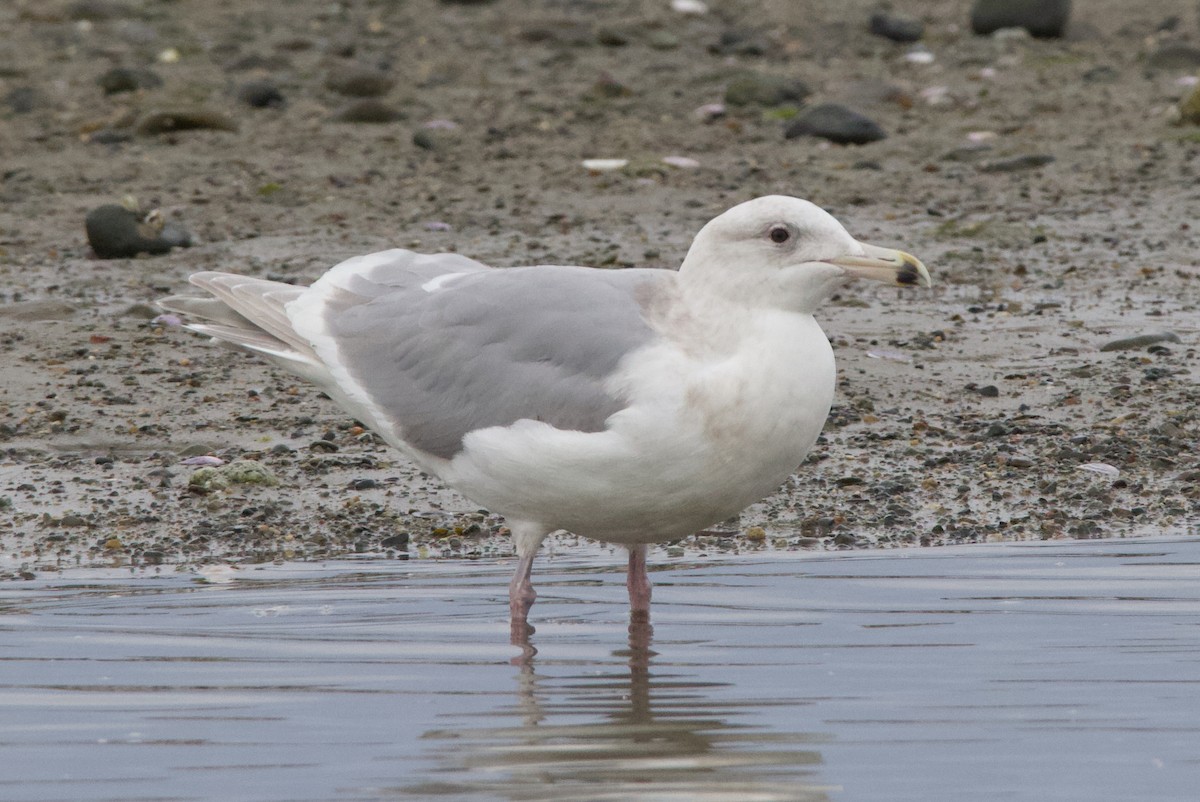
465	350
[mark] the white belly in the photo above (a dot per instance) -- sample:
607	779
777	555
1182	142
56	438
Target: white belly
705	435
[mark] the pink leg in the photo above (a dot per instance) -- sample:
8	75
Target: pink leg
520	590
638	584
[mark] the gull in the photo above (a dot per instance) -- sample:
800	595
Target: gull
629	406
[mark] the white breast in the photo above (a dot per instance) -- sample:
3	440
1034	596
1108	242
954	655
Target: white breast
708	432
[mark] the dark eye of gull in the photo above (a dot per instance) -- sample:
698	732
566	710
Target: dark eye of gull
779	234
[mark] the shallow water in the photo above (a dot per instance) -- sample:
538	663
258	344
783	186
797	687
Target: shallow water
1062	671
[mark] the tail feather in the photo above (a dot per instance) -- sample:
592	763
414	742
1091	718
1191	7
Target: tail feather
250	313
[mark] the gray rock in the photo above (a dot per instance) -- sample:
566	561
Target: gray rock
260	94
1029	161
21	100
368	110
1042	18
167	121
765	89
31	311
1175	56
1141	341
739	42
128	79
115	232
837	124
897	27
1101	74
98	10
355	80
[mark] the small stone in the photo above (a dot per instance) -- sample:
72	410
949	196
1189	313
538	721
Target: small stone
1141	341
1027	162
1188	110
31	311
1042	18
1175	56
399	542
260	94
756	534
431	138
1101	74
21	100
662	40
248	472
166	121
989	391
98	10
837	124
368	110
128	79
363	484
739	42
897	27
765	89
611	37
354	80
115	232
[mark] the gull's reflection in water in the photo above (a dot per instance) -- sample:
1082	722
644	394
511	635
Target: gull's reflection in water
635	733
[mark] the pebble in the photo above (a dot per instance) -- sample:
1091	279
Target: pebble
837	124
98	10
31	311
1188	110
1175	56
1101	74
662	40
368	110
897	27
1027	162
166	121
1141	341
355	80
260	94
21	100
238	472
115	232
128	79
603	165
739	42
1042	18
765	89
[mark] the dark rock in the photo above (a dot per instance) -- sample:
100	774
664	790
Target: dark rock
1027	162
989	391
166	121
611	37
260	94
115	232
897	27
739	42
355	80
1174	56
1141	341
399	542
1102	74
21	100
128	79
1042	18
368	110
837	124
1188	110
257	61
110	136
98	10
765	89
363	484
